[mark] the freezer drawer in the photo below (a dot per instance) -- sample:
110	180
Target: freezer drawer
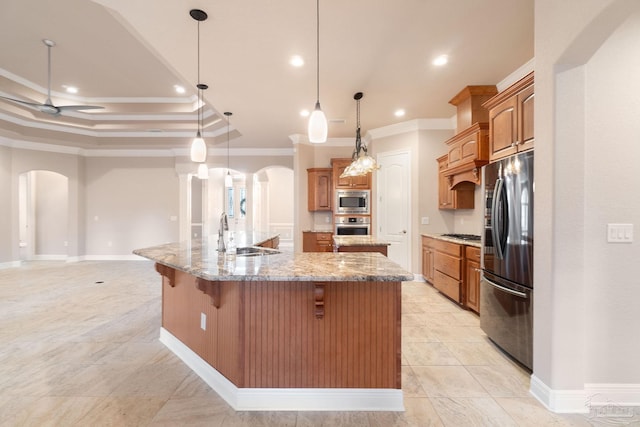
507	318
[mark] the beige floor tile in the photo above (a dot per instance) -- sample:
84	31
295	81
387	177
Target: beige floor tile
263	419
332	419
411	386
122	412
419	412
448	381
463	412
458	333
428	354
501	381
153	381
476	353
192	411
528	412
417	334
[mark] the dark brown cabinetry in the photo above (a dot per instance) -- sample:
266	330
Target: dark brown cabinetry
350	182
317	241
320	190
511	119
472	278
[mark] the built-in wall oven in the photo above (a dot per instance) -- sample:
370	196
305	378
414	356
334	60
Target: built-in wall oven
352	202
352	225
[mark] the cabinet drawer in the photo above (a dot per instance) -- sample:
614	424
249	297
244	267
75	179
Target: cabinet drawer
447	264
447	285
323	237
449	248
472	253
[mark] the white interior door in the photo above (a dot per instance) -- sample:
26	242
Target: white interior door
394	205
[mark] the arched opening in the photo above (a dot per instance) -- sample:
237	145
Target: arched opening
273	202
43	200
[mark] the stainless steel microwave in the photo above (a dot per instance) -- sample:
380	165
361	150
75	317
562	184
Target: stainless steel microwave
353	202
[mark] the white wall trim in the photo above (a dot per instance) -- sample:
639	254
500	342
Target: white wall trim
613	394
559	401
522	71
10	264
284	399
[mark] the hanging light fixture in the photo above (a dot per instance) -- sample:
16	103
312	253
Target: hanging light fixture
318	121
228	180
203	171
361	162
198	146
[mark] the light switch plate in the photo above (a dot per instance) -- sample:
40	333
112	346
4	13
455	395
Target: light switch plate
619	233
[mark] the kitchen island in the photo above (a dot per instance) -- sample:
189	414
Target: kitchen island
274	330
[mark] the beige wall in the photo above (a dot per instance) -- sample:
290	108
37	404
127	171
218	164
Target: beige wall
587	134
129	204
6	206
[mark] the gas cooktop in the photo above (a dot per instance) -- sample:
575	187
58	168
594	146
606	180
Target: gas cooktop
463	236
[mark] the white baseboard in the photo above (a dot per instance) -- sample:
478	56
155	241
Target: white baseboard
284	399
10	264
587	400
45	257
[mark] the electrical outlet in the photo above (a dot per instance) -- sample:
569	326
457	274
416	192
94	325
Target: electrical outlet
203	321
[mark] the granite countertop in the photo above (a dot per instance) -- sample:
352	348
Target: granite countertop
201	259
474	243
358	241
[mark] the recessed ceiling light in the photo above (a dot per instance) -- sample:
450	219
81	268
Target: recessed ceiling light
179	89
399	113
296	61
304	113
70	89
440	60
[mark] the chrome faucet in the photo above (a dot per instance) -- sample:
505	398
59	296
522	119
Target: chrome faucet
224	226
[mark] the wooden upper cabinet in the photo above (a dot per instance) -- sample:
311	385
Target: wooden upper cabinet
511	119
351	182
468	150
460	196
320	190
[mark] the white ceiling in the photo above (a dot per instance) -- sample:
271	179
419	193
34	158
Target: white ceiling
127	56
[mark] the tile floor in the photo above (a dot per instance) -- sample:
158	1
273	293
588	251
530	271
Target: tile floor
79	347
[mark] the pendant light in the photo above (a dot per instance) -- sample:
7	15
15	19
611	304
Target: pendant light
228	180
203	171
198	146
318	121
362	163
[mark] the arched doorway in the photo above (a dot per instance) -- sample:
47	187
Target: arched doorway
43	199
273	202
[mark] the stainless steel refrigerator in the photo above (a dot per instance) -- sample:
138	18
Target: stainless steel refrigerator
506	286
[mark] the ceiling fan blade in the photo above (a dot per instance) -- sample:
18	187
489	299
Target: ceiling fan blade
19	101
78	107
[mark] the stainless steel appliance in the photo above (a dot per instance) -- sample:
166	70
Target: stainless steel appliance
350	202
352	225
506	286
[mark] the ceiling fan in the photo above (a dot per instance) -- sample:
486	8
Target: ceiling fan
48	106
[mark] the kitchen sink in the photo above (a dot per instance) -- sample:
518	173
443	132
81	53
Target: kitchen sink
255	251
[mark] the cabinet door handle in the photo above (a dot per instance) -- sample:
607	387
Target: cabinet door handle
478	270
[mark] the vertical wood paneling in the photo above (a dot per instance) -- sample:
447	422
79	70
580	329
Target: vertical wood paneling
265	334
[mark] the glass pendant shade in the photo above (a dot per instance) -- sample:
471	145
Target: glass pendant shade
198	149
318	128
203	171
228	180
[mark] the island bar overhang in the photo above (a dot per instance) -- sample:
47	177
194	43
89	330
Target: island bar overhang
327	339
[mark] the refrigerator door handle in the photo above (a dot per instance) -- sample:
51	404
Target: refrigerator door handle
507	290
497	195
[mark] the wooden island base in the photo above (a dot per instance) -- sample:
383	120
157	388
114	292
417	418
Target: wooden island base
288	345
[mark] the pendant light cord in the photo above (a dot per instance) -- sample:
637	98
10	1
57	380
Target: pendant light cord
317	51
198	85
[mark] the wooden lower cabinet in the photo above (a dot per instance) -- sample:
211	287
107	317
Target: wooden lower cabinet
317	241
472	278
453	269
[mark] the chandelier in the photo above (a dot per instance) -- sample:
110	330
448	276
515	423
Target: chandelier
361	162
